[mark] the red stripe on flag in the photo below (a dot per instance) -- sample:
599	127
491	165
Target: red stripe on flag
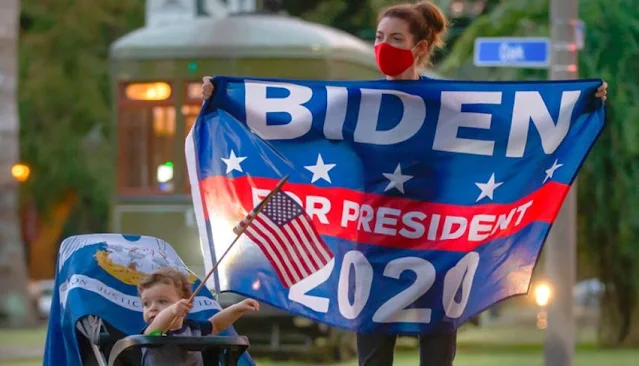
299	251
233	198
314	257
286	248
316	240
278	247
272	255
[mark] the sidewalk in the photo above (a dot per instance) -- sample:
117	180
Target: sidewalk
8	353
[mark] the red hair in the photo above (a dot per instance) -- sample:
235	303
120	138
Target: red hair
426	21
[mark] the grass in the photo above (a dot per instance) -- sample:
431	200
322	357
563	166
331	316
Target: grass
505	357
22	362
582	358
477	347
23	337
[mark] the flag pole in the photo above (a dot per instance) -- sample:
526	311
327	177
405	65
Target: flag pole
243	228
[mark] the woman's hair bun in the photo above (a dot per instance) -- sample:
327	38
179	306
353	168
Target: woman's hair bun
433	15
426	21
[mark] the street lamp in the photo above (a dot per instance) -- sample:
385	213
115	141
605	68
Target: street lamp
20	172
542	294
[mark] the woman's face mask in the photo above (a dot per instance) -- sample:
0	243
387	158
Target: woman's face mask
394	46
392	60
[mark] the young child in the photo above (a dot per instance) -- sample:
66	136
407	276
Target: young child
165	294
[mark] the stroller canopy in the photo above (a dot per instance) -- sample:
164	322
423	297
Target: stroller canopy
96	287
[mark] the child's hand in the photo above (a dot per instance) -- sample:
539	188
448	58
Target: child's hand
248	305
181	308
226	317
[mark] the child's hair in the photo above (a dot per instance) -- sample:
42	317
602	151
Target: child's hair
427	23
167	276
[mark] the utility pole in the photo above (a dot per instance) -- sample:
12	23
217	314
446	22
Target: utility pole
16	309
561	249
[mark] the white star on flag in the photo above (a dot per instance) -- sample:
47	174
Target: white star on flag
233	162
488	188
320	170
397	179
551	171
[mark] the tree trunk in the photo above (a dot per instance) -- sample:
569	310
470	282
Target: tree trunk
615	329
15	306
42	265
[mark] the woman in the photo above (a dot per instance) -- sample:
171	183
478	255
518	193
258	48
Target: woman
406	36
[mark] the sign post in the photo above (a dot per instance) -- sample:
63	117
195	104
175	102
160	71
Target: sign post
559	56
561	248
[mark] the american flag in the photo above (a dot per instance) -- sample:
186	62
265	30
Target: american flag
287	237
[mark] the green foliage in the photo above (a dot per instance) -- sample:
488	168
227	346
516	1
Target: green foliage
353	16
359	17
65	95
608	194
515	18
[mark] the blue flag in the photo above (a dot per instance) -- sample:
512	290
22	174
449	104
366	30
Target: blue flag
98	275
431	199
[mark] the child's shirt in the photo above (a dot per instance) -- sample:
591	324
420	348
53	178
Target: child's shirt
176	356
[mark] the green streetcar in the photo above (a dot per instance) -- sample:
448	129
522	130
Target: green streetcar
156	78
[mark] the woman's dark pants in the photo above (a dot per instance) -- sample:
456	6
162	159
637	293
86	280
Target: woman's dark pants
434	350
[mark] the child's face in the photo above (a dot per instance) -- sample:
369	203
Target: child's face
157	298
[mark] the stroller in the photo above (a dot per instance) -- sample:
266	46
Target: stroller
96	317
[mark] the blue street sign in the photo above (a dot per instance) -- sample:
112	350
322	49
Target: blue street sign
512	52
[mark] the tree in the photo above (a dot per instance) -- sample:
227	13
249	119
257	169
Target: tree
353	16
609	221
65	98
608	194
359	17
15	307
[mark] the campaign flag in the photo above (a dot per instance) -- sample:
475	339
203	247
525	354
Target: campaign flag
433	198
97	275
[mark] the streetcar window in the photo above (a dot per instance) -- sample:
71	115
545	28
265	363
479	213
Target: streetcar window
190	113
194	91
148	91
147	144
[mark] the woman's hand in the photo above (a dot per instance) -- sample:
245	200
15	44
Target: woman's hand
207	87
602	92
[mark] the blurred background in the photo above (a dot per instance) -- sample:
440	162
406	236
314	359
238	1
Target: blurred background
98	96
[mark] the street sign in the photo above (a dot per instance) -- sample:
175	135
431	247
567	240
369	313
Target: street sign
512	52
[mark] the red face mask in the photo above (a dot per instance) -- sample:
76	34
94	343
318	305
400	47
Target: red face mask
391	60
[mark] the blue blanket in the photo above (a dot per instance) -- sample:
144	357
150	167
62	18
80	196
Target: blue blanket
433	197
97	275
